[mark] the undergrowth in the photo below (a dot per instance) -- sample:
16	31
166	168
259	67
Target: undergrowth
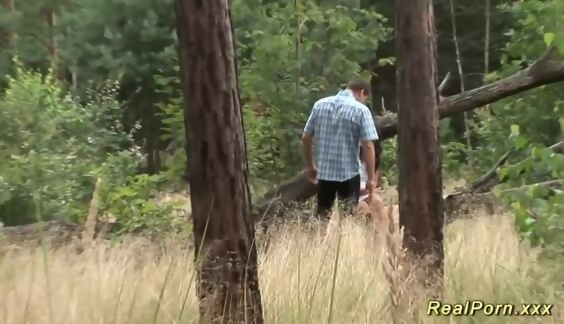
352	277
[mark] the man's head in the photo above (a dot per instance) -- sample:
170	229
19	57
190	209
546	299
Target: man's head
360	88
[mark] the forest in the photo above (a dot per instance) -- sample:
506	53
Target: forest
152	168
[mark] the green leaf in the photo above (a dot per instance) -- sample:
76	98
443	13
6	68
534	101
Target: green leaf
548	38
561	47
515	129
520	142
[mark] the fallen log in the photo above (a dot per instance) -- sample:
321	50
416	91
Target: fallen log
546	70
467	202
457	205
59	229
55	232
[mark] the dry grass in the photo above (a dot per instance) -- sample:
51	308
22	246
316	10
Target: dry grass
301	280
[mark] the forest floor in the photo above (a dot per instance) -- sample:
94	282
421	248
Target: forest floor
135	282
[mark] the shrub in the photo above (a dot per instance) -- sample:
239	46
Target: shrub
54	146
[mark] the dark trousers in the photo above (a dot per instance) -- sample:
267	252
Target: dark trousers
347	191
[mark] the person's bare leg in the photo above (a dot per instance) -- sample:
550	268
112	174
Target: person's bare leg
377	210
363	209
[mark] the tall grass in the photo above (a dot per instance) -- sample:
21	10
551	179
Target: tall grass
356	277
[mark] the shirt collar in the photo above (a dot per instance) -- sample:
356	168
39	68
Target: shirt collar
346	93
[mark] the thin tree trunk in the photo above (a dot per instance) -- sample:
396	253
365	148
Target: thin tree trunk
487	44
297	53
460	72
11	35
419	151
297	50
224	236
51	20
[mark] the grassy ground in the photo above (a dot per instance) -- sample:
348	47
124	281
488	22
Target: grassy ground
134	283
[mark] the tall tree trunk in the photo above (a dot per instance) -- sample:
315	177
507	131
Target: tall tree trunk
10	32
467	114
225	251
487	45
420	179
51	20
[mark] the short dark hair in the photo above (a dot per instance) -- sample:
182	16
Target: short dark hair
357	84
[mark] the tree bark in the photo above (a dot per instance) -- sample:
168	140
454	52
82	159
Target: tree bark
51	21
487	44
419	150
460	72
546	70
10	31
225	251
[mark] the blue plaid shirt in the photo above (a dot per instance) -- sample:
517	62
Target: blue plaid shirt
338	124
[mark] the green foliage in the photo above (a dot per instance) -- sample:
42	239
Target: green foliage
534	119
28	22
133	200
289	54
49	144
121	40
388	161
532	111
275	105
539	24
174	133
539	211
291	57
54	147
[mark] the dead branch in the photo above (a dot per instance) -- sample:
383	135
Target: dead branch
444	83
491	179
484	182
92	217
460	72
546	70
467	202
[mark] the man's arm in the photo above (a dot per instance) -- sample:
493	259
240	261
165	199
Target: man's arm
307	143
369	158
307	138
368	134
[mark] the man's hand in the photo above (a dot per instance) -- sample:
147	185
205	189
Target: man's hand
311	173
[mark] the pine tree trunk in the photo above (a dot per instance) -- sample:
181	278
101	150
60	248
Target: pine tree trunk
51	20
10	32
420	179
225	252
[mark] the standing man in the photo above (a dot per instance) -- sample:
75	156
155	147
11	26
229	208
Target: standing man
338	125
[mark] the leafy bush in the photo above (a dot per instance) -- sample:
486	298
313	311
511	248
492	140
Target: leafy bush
539	211
53	148
534	110
173	129
132	200
50	144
